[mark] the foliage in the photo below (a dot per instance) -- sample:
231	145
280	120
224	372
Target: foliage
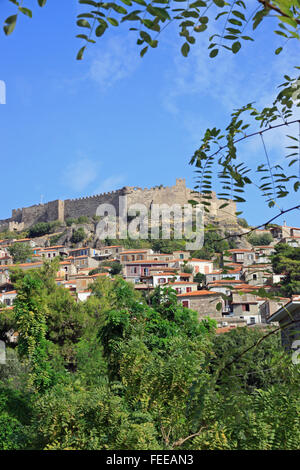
14	418
213	243
7	321
115	268
8	235
71	221
54	240
78	235
83	219
242	222
31	324
21	252
263	239
115	373
286	259
150	20
187	268
167	246
43	228
200	278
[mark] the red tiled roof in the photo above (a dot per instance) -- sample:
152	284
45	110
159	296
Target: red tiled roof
201	260
198	293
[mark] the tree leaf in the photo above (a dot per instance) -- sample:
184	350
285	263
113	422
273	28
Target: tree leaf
185	49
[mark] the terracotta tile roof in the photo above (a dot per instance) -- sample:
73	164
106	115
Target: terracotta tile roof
111	246
145	261
182	283
129	252
198	293
9	266
201	260
242	250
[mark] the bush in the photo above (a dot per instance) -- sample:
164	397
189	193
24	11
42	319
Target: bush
263	239
83	219
71	221
43	228
39	229
21	252
242	222
78	236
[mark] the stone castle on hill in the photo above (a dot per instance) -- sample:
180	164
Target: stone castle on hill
86	206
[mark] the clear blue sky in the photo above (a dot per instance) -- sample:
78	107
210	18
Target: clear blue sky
71	128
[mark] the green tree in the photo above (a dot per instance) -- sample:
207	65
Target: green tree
263	239
31	324
286	260
242	222
78	235
21	252
39	229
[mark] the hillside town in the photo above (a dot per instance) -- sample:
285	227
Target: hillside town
235	288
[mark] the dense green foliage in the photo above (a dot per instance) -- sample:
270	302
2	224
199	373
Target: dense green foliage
286	260
83	219
43	228
21	252
8	235
78	235
263	239
116	373
242	222
213	243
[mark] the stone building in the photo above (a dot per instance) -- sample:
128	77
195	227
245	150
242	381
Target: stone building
204	302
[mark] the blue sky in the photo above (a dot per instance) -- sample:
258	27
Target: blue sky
71	128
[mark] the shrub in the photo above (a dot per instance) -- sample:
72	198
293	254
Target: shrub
263	239
242	222
70	221
78	236
83	219
39	229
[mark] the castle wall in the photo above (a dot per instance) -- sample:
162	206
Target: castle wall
74	208
87	206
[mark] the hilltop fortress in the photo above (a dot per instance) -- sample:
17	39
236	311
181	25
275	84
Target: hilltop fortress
86	206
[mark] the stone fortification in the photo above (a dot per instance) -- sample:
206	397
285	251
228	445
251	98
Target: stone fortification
87	206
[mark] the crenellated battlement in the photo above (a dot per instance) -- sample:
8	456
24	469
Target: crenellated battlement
87	205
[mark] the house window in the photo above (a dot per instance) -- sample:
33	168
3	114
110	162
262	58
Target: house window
254	277
189	289
252	320
185	303
181	256
246	307
178	290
